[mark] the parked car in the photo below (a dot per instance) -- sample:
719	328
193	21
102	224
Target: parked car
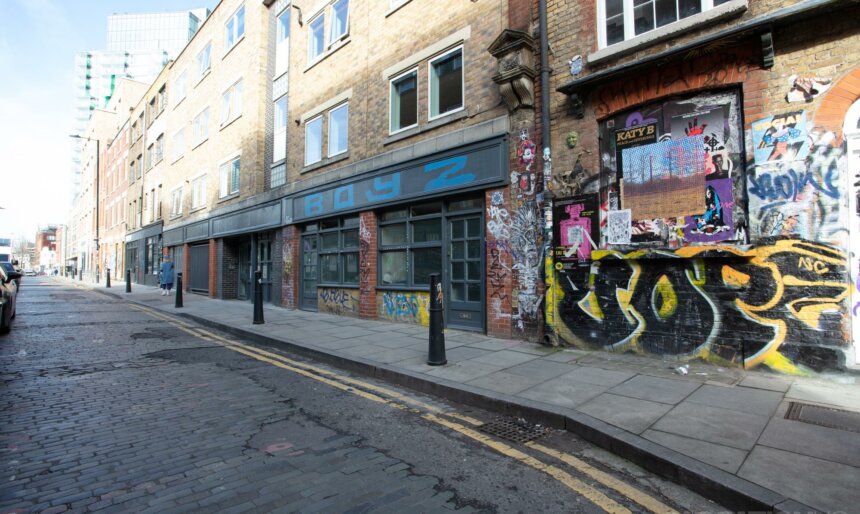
29	273
11	269
8	294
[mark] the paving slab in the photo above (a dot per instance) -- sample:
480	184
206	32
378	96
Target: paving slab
813	440
363	350
662	390
722	426
504	382
721	456
824	485
563	392
541	368
768	383
598	376
743	399
393	355
462	371
464	353
566	355
504	358
630	414
846	397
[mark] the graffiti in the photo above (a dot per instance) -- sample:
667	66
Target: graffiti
497	274
338	301
528	257
806	89
498	223
364	270
526	150
409	307
779	305
781	137
497	198
635	119
618	226
787	182
575	181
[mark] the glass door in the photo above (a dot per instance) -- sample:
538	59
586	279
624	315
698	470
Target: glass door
464	288
264	264
310	272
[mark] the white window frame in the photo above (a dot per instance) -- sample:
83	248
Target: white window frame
279	136
629	22
332	38
200	136
178	144
198	191
176	202
225	176
311	57
391	100
180	87
282	45
331	152
202	72
159	148
430	62
231	103
318	118
231	34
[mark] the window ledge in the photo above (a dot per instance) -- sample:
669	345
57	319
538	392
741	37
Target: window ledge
178	158
430	125
727	10
177	104
229	122
196	209
326	162
175	216
228	197
200	143
232	47
396	8
332	49
205	74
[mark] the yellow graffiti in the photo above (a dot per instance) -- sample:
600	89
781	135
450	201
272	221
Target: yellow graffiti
551	290
668	299
735	278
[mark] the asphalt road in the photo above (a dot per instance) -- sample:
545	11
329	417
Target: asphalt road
108	407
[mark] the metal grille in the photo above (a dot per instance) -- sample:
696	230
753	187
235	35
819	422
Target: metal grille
824	416
516	430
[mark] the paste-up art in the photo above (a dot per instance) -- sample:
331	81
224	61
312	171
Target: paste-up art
575	228
805	89
618	226
715	222
780	138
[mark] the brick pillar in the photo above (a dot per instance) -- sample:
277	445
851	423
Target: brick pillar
499	263
186	257
290	285
213	268
367	265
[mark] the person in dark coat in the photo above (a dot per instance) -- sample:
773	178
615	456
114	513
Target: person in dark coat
166	277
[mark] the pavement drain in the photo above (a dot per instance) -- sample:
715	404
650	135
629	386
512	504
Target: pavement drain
824	416
516	430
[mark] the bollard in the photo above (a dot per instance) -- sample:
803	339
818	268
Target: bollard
258	298
107	277
436	354
178	303
128	281
81	274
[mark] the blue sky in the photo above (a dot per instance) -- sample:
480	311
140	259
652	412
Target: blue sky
38	43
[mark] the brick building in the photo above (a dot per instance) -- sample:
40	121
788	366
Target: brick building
703	205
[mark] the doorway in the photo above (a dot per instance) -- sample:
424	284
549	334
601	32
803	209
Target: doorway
310	272
464	280
244	289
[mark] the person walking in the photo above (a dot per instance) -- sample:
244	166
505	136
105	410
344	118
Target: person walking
166	277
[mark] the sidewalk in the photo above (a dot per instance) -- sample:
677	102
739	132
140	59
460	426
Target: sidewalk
721	432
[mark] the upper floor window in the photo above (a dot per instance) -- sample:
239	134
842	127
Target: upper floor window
404	101
316	38
620	20
180	86
159	149
313	141
162	99
339	21
178	144
338	130
201	127
235	28
280	135
231	103
282	52
203	61
198	192
446	83
176	202
229	172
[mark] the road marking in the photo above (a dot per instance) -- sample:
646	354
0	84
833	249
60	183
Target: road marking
606	479
363	389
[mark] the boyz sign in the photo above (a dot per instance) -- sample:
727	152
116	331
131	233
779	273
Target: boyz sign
482	165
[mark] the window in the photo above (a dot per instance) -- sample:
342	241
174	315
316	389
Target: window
134	131
176	202
282	52
159	149
180	87
404	101
178	144
131	172
153	256
198	192
139	166
280	136
313	141
446	83
620	20
338	251
338	130
201	127
339	21
316	38
150	156
231	103
235	28
203	61
229	172
162	99
279	175
410	245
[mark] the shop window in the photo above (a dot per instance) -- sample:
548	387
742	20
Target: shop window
410	245
338	251
667	172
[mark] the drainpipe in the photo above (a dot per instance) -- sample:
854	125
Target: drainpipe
547	171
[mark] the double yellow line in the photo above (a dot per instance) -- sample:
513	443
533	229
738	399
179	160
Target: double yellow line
446	418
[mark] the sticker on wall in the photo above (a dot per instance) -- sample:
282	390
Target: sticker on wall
576	228
618	226
715	223
575	65
780	138
805	89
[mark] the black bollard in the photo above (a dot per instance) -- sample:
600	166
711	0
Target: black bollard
128	281
436	355
81	274
107	277
258	298
178	303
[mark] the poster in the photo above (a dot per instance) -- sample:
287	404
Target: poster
576	228
630	137
714	223
664	180
780	138
711	125
618	225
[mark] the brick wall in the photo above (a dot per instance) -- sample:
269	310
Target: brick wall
290	265
213	268
368	262
499	261
229	270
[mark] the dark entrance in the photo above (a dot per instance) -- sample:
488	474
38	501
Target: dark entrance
244	290
464	280
310	272
198	269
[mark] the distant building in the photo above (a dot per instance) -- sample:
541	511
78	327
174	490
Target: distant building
46	248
